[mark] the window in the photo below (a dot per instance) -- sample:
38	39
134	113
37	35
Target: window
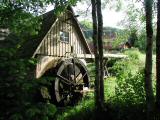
64	36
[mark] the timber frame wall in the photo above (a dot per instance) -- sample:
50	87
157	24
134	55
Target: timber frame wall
51	44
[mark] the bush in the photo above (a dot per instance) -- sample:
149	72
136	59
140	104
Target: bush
130	90
19	91
129	78
127	100
133	53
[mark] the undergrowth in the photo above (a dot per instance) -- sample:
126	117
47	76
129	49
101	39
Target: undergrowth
124	92
19	91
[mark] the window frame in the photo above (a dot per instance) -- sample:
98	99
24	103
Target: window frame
64	36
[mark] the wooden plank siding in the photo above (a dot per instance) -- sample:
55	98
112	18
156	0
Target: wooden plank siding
51	45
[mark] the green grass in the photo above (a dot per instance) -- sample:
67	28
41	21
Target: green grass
84	110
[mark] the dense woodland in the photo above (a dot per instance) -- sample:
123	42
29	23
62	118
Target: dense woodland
130	91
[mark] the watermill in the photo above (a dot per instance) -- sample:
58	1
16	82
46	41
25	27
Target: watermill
62	52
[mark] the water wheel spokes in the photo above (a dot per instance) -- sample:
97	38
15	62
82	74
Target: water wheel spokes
65	80
78	81
71	78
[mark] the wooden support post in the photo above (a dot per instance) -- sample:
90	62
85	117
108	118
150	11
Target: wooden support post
106	74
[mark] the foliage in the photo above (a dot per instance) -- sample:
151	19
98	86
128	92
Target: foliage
121	38
83	111
19	91
141	42
134	15
131	89
129	79
23	15
132	63
16	16
111	4
124	89
87	29
134	20
86	24
109	88
133	55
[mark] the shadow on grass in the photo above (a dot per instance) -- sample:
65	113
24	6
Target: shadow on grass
126	112
87	111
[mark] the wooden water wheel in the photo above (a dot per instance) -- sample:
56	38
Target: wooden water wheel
71	80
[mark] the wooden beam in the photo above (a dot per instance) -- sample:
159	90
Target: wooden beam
91	56
114	56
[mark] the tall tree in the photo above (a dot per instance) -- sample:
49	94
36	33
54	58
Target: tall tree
158	58
148	63
98	51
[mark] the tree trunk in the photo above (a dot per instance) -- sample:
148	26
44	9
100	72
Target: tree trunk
158	58
148	63
100	47
96	53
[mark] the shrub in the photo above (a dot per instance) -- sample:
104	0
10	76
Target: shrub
133	53
129	75
19	91
130	90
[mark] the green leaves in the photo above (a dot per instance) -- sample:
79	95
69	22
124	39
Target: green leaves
32	61
131	88
51	109
19	91
59	9
41	111
32	112
73	2
22	16
129	75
